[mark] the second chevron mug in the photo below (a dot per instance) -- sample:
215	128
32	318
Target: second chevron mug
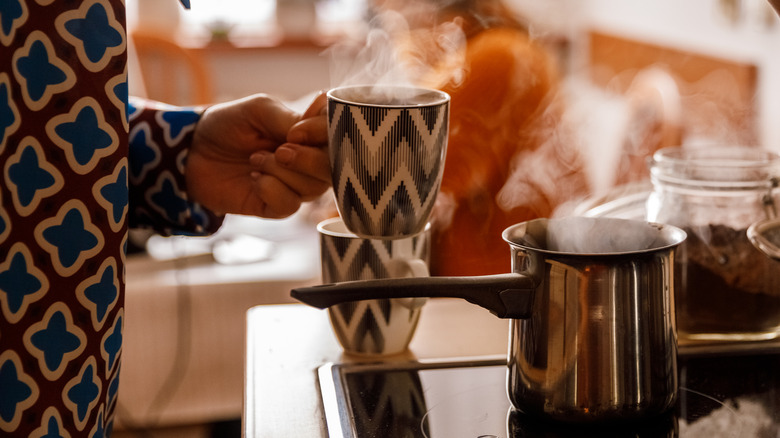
387	147
373	327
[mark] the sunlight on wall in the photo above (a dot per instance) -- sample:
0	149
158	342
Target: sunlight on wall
237	17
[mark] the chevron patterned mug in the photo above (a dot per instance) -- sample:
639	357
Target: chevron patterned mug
373	327
387	147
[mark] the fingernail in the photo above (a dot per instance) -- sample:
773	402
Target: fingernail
284	155
254	175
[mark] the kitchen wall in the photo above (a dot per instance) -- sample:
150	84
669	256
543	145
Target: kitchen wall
257	59
744	31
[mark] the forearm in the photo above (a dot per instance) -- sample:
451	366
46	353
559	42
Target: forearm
160	139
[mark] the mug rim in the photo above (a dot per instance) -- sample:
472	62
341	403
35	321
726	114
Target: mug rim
345	233
442	97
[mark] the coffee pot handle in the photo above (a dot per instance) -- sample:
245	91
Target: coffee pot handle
504	295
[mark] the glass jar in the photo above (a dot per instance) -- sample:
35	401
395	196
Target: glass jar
725	288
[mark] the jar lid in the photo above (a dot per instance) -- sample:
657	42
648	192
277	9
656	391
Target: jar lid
717	167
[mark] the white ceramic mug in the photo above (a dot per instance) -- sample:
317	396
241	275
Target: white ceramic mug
373	327
387	147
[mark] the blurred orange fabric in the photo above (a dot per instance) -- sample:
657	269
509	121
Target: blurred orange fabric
506	161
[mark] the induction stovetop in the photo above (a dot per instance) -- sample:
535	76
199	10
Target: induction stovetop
721	396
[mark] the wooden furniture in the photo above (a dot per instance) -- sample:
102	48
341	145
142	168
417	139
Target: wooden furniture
286	344
184	335
718	95
171	73
287	69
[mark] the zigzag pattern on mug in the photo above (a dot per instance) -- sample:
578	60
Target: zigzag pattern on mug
415	159
397	152
362	324
367	335
397	214
358	260
357	323
347	259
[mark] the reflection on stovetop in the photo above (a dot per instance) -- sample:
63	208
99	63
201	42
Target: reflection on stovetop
720	396
747	388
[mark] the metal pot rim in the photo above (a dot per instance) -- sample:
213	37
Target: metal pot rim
531	236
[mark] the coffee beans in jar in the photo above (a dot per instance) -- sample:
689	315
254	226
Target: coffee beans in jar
725	289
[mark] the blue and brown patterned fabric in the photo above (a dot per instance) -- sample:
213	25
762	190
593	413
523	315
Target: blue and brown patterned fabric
79	162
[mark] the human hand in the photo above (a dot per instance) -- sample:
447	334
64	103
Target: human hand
221	177
302	163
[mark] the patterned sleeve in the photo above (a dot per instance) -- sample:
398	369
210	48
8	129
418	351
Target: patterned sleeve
160	136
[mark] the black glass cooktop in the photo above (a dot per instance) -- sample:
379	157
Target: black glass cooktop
721	396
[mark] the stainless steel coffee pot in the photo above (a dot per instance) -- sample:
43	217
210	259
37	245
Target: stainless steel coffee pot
592	336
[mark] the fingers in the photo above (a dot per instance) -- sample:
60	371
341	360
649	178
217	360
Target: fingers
278	200
304	170
312	131
317	106
307	160
282	174
239	127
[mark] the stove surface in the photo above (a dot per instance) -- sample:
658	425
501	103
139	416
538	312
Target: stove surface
721	396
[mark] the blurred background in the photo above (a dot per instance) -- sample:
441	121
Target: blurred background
706	71
279	46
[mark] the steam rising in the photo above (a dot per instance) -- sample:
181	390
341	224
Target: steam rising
592	138
403	48
581	236
388	58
